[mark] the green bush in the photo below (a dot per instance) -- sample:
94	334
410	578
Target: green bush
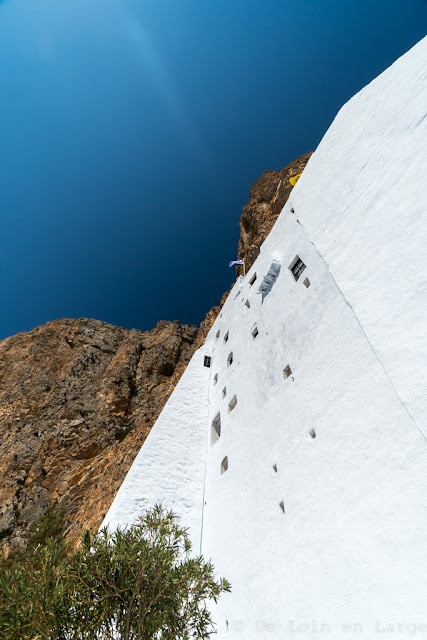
136	583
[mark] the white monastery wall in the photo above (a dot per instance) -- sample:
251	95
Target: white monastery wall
170	467
362	203
316	533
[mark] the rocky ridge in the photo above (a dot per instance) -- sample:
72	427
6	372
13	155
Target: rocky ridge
267	198
77	400
79	397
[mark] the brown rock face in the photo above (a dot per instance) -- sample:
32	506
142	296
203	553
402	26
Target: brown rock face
77	400
210	318
79	397
267	198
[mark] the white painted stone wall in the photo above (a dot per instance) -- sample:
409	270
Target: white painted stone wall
170	467
347	557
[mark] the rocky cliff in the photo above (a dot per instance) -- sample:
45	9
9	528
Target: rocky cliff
267	198
77	400
79	397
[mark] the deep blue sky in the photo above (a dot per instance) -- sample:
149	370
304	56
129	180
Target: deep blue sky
131	132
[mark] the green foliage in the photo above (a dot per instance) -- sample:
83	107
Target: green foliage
50	526
166	369
133	584
33	594
4	533
120	434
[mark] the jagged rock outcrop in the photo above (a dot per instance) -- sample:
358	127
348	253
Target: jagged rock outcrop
79	397
210	318
267	198
77	400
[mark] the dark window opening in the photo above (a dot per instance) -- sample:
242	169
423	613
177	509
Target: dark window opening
215	429
275	468
287	371
207	361
224	392
269	280
252	280
306	283
297	267
230	359
282	506
215	379
313	433
224	465
218	333
226	337
232	404
255	332
247	304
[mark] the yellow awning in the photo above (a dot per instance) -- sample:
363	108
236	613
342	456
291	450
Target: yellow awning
295	179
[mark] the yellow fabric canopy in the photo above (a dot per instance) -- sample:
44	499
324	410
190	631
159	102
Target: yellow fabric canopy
295	179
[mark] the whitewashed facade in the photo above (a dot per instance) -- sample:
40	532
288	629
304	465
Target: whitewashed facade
310	496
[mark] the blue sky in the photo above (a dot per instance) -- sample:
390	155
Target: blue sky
132	130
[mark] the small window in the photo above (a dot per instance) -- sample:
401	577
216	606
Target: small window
313	434
224	465
207	361
306	283
232	404
226	337
287	371
230	359
268	281
282	506
252	280
248	304
215	429
224	392
215	379
254	332
297	267
218	333
275	468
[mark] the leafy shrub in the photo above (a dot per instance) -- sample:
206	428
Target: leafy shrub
138	583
